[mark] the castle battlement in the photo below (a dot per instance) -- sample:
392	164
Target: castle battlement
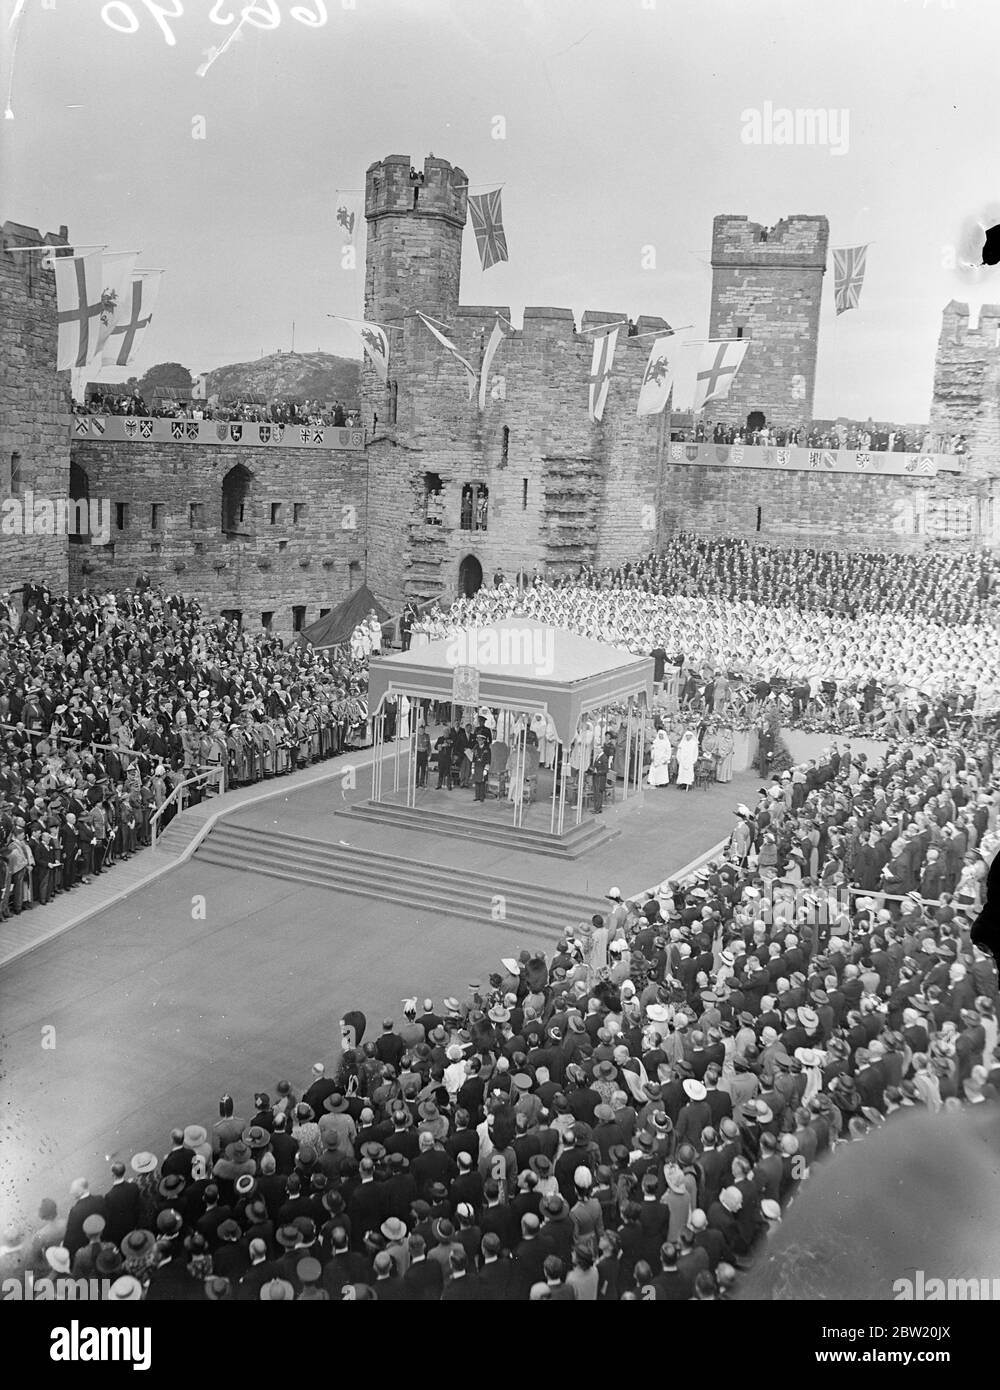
441	191
540	321
798	242
17	234
955	324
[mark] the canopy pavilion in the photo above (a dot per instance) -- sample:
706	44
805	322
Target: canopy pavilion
526	673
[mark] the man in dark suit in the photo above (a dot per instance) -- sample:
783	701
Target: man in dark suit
496	1272
463	1286
365	1204
424	1278
121	1206
85	1203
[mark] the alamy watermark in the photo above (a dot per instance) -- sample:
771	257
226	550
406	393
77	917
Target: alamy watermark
502	646
783	125
33	515
57	1288
923	1288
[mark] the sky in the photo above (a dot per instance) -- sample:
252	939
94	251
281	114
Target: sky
624	127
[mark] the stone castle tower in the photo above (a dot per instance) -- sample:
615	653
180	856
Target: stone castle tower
415	230
455	492
967	384
766	286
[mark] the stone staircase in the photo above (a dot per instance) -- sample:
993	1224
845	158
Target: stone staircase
442	890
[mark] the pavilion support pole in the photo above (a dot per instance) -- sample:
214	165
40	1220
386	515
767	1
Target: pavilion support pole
411	771
395	753
375	758
563	767
555	787
523	769
579	785
628	746
640	753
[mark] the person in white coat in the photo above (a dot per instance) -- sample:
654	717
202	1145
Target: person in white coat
660	755
687	756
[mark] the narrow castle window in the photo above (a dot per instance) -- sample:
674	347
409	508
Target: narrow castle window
298	617
505	447
393	401
156	516
524	494
15	474
121	515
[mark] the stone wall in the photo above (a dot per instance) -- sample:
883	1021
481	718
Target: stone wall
967	384
562	489
272	562
34	412
766	286
812	509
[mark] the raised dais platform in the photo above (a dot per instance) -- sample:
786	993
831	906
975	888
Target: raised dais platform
578	840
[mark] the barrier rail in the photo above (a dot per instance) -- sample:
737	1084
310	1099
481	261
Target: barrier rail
176	797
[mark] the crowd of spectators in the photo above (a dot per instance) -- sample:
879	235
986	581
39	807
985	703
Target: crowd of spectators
627	1116
107	703
868	437
282	412
880	671
947	587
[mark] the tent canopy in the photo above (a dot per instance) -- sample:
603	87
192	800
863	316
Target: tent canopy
523	664
336	627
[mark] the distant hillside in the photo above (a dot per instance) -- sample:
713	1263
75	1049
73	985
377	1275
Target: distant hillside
316	376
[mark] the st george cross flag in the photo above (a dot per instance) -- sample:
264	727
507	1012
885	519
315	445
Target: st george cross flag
133	319
718	363
600	372
848	276
472	376
116	275
496	338
374	340
658	376
487	223
349	216
79	305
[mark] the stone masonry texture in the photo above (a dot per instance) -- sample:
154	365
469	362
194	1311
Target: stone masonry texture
34	406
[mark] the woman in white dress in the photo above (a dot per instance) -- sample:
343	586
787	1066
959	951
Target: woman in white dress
687	756
660	754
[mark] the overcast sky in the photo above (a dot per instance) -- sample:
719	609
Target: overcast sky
624	123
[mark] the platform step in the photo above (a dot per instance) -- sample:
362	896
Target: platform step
371	873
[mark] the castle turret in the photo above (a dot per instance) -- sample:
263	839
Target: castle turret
766	286
967	385
415	222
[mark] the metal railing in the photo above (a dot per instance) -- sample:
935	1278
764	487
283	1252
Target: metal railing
176	797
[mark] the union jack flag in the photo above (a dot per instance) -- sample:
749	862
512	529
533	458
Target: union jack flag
487	223
848	276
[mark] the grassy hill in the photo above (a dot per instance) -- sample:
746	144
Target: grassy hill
311	375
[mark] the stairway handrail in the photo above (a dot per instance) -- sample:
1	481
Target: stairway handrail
210	774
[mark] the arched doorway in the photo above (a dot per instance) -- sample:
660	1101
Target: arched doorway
470	576
236	501
755	421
